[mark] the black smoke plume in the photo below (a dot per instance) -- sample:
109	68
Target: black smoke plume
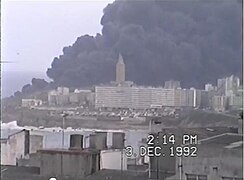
193	41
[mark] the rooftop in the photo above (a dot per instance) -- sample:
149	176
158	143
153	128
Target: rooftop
202	133
223	139
68	151
31	173
6	134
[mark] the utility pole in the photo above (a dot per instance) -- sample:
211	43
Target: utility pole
64	115
122	160
151	122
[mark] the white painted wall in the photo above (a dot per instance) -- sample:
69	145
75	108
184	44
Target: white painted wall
36	143
13	149
4	154
111	159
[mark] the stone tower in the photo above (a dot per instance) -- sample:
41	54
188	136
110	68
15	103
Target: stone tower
120	70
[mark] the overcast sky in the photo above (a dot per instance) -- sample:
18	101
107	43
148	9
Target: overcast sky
34	32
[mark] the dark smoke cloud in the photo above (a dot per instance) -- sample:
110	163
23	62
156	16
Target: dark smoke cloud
36	85
189	40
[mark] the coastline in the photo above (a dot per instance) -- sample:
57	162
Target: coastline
13	125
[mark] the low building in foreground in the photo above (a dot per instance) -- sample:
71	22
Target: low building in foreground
218	157
115	159
14	147
30	173
68	163
19	145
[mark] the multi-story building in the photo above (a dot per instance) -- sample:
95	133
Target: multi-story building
184	97
235	102
201	98
209	87
228	86
31	102
52	98
221	84
232	84
132	97
59	96
62	99
171	84
122	94
63	90
142	97
228	89
220	103
78	97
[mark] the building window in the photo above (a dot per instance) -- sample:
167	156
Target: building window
196	177
231	178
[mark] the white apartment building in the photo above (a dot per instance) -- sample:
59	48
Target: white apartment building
236	102
209	87
171	84
141	97
184	98
31	102
220	103
228	86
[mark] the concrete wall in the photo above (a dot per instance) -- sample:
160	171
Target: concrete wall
240	126
220	103
36	143
31	102
51	100
113	159
165	164
212	160
118	140
15	147
62	99
63	90
98	140
74	98
33	160
68	164
19	146
76	141
4	154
